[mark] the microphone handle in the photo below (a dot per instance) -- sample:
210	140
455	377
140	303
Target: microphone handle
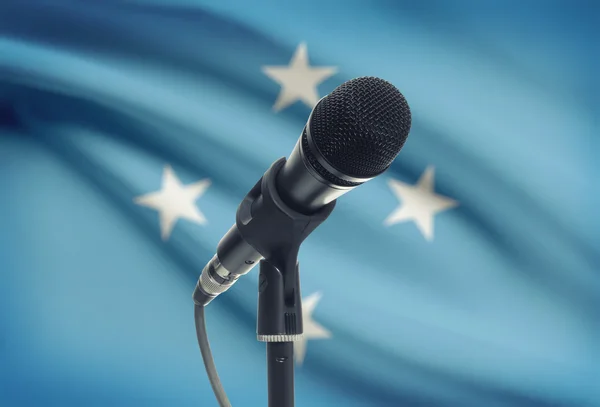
301	186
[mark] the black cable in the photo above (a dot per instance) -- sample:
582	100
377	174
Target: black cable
207	357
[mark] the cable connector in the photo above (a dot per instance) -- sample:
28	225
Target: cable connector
214	280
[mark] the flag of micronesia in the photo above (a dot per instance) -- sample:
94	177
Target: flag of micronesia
467	275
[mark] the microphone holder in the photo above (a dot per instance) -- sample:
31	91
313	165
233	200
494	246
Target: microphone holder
276	231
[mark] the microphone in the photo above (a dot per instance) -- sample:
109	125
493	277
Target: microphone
352	135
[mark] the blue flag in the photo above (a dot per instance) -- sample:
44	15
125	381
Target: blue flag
466	275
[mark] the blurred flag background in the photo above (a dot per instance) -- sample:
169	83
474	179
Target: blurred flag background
467	275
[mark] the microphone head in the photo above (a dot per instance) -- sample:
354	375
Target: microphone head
359	129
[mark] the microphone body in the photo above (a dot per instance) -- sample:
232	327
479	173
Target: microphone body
236	255
351	136
300	187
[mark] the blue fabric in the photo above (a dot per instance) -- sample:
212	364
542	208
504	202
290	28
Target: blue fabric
499	309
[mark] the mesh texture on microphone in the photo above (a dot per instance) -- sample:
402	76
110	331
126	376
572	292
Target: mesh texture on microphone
359	128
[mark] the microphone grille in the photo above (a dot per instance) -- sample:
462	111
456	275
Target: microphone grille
361	126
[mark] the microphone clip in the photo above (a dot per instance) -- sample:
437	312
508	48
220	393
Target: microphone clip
276	231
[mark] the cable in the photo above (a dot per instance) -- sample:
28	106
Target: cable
207	357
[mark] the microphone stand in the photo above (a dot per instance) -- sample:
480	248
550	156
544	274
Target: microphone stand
276	231
279	324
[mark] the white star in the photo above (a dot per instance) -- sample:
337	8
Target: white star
299	80
419	203
175	201
312	330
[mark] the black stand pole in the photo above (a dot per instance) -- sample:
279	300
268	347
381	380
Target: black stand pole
279	324
276	231
280	368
